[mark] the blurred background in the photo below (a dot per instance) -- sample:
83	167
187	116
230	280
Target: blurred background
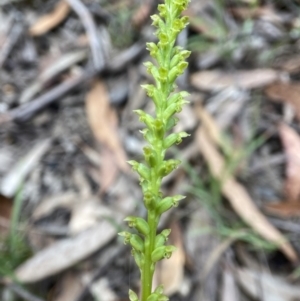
70	76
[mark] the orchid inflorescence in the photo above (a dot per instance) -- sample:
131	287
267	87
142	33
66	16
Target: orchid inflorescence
148	247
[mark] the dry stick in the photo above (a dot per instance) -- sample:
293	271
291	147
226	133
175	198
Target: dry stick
10	41
91	30
28	110
25	295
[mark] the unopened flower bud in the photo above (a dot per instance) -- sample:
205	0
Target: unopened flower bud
138	258
149	200
162	9
157	21
152	48
163	38
173	108
159	128
148	135
144	117
150	156
168	202
172	121
141	169
162	252
161	238
149	89
138	223
168	167
126	236
163	74
174	138
136	242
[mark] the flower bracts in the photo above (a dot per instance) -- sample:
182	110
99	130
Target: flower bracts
148	247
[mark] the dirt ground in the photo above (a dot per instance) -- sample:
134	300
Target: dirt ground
70	76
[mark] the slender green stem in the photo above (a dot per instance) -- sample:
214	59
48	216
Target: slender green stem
148	269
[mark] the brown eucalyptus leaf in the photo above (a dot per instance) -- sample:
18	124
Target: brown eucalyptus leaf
285	92
288	209
65	253
6	206
14	178
51	20
70	287
104	122
291	142
213	80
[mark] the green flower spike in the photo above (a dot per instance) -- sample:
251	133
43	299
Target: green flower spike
168	62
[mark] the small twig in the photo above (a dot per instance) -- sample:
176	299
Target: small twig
28	110
91	30
25	295
10	41
120	61
102	270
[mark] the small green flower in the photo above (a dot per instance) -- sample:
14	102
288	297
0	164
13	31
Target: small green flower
161	238
169	61
162	252
138	223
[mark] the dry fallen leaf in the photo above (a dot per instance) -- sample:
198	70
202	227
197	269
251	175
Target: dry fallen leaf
101	290
108	171
291	142
103	122
51	20
142	14
69	287
272	288
6	206
48	205
170	272
230	290
238	196
264	12
65	253
284	209
15	177
87	214
245	79
285	92
291	64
